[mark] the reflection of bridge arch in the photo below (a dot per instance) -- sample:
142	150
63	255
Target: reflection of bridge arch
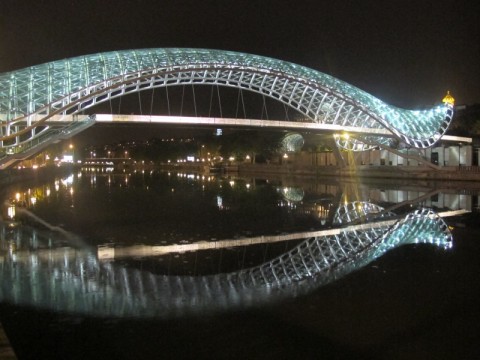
30	96
76	281
358	210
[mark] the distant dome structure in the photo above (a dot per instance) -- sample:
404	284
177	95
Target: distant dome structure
292	142
448	99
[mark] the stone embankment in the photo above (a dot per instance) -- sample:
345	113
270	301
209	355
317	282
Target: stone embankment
462	173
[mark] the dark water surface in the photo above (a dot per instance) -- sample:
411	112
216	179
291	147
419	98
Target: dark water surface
417	301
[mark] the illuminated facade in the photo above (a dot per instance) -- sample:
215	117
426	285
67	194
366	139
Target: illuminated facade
31	96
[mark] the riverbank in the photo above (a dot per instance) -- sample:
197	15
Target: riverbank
463	176
14	176
470	173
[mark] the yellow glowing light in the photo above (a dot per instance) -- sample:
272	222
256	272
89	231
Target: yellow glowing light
448	99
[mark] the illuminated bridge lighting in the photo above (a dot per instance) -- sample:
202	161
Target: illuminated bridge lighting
31	96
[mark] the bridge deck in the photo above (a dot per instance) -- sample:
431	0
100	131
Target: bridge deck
272	124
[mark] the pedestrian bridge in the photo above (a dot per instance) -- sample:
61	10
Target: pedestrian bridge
31	97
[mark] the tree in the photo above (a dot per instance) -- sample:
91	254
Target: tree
466	121
260	145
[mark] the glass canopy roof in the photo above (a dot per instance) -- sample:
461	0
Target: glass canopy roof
71	85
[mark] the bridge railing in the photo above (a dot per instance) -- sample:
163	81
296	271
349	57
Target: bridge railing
25	149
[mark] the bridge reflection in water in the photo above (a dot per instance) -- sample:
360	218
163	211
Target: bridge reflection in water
38	270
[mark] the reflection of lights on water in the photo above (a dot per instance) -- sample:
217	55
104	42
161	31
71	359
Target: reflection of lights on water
47	192
71	191
11	211
219	202
17	196
232	183
57	185
68	180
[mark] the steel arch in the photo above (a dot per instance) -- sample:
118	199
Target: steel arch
30	96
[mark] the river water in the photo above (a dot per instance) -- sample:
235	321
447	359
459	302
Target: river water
151	264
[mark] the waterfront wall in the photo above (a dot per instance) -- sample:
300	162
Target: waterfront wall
450	173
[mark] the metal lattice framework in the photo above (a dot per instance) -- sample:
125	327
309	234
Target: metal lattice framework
76	281
292	142
355	210
30	96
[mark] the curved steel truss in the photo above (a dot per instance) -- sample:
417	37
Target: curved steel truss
30	96
76	281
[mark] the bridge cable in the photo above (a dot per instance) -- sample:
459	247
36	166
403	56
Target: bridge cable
285	107
219	102
265	252
168	99
181	102
140	103
240	97
194	100
110	102
243	104
238	101
211	100
264	107
119	105
151	102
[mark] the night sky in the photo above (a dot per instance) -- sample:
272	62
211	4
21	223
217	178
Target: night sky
407	53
